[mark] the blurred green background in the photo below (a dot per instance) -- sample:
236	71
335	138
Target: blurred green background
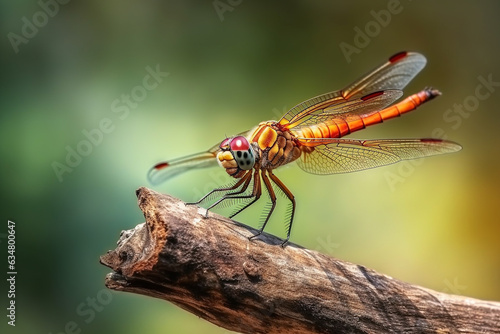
433	222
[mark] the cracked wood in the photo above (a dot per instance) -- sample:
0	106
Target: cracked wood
210	268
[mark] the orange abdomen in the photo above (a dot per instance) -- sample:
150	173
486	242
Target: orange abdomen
342	126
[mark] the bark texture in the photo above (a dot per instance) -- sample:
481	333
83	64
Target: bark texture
210	268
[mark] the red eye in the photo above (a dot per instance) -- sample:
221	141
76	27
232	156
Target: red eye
225	143
239	143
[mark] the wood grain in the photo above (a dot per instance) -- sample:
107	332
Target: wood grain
210	268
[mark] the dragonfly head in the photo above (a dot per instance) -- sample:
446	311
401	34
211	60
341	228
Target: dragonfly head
236	155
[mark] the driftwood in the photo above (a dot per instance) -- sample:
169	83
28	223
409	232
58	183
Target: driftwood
210	268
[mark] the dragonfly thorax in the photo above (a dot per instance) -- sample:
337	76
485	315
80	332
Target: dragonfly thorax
277	146
236	156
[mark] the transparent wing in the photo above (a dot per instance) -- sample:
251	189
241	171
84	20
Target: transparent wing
165	170
332	156
168	169
365	105
394	74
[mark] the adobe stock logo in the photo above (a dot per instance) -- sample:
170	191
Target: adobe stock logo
87	312
122	107
362	38
454	117
222	6
38	20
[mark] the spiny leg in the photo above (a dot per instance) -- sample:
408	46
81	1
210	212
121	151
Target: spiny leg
234	186
290	196
242	190
229	195
256	192
248	178
256	180
270	190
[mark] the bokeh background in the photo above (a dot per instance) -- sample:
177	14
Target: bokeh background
231	65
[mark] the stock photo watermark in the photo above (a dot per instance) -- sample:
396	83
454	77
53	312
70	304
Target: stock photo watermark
87	312
326	245
453	116
31	26
462	111
223	6
454	287
121	107
11	272
363	36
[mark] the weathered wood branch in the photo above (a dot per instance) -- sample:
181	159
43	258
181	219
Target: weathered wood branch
210	268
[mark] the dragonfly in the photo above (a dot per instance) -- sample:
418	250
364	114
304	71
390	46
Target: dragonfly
311	134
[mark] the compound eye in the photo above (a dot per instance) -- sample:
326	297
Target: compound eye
225	143
239	143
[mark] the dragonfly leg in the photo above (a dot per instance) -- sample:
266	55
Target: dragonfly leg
234	186
290	196
248	177
256	192
272	195
255	195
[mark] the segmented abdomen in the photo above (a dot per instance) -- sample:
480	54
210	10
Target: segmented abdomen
342	126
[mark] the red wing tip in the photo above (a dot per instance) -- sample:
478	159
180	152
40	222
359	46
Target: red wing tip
161	165
431	140
439	141
372	95
450	146
398	56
